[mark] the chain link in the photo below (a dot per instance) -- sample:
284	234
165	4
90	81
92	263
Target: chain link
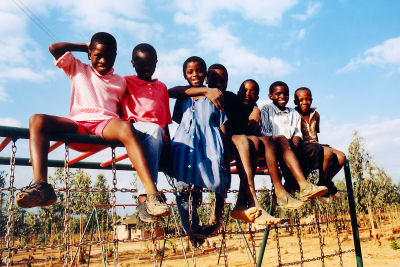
299	237
321	243
154	244
338	236
278	247
10	211
224	236
66	210
114	209
253	243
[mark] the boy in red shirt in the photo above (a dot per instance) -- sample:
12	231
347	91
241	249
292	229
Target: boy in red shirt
146	106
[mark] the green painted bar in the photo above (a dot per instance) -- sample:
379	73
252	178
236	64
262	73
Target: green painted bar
265	237
60	163
353	214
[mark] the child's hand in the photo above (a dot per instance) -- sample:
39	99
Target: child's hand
216	96
255	119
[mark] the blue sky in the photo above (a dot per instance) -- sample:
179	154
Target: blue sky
347	52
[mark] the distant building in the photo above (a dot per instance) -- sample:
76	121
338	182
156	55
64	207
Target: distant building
127	229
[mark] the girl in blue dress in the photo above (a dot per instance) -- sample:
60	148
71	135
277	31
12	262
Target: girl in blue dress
198	152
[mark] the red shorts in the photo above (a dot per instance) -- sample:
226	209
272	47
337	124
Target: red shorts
92	127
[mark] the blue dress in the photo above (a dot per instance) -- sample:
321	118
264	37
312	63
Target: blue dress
197	147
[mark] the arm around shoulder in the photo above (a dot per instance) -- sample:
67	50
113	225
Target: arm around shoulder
59	49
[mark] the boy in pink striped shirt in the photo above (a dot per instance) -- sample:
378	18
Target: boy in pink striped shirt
96	93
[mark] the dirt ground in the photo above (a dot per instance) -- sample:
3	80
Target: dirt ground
375	253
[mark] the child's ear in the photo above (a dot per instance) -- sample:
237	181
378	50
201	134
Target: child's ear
89	54
206	80
133	62
256	99
296	101
270	96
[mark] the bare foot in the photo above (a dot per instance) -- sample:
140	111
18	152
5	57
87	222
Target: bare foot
248	215
266	219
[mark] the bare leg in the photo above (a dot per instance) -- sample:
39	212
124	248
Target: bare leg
123	131
246	205
40	126
337	163
290	159
328	156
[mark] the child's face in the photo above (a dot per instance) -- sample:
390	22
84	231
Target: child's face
248	94
216	78
280	97
303	100
102	58
195	74
145	65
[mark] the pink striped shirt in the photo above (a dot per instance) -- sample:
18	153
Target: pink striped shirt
94	97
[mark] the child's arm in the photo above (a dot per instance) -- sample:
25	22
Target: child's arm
214	94
59	49
255	118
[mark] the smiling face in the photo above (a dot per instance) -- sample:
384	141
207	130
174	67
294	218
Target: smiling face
248	93
280	96
195	73
145	65
303	100
102	57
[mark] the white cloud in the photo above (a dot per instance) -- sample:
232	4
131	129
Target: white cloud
311	10
267	12
10	122
20	73
169	68
381	140
218	39
301	34
382	55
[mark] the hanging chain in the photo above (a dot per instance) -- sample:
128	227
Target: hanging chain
278	247
10	211
190	223
153	239
321	243
114	209
224	234
66	210
253	243
299	237
338	236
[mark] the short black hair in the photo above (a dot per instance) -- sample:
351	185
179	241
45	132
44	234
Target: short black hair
195	59
218	66
302	89
104	38
144	47
256	86
275	84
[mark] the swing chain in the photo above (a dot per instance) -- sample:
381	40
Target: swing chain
251	234
67	209
10	211
114	209
319	235
224	236
154	244
278	247
190	222
299	237
338	236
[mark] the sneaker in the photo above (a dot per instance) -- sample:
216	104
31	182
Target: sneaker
288	202
312	191
39	194
325	199
156	205
211	229
144	214
333	191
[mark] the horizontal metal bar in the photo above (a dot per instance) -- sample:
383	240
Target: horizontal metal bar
60	163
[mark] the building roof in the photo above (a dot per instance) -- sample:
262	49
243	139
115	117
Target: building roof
128	220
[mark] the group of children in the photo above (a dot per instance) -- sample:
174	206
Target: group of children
215	127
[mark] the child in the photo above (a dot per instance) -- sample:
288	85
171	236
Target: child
245	143
333	159
96	94
197	152
283	124
146	106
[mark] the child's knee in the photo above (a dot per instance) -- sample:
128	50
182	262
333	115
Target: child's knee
341	158
37	122
328	153
240	141
155	131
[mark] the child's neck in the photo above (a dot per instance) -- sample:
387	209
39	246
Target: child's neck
146	79
306	115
